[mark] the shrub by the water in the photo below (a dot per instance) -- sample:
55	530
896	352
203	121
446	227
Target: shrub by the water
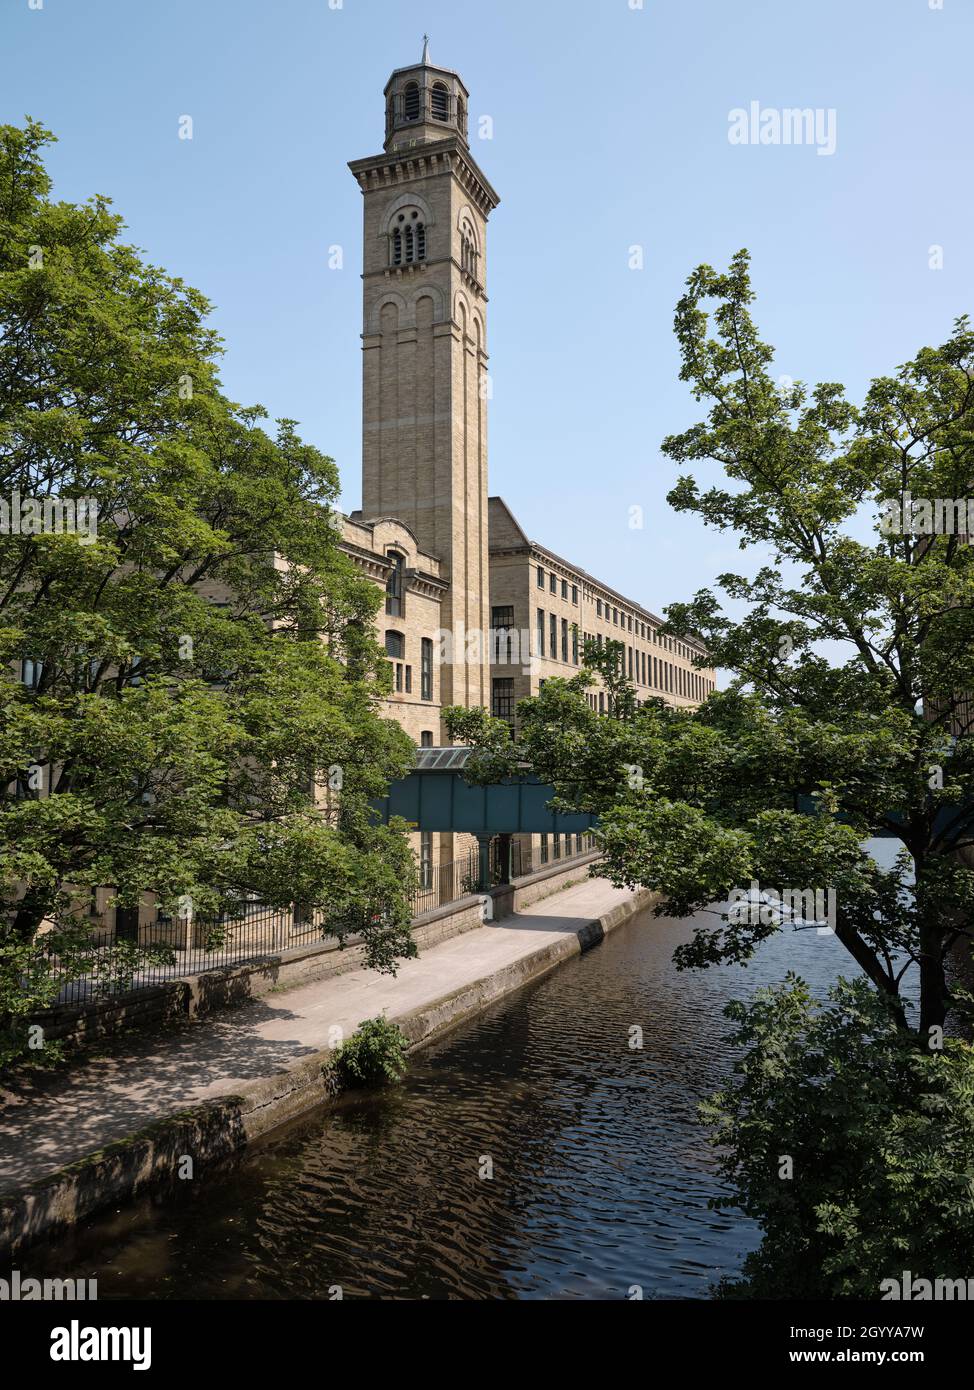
375	1055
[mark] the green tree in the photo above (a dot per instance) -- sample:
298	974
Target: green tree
851	1146
850	665
847	716
202	661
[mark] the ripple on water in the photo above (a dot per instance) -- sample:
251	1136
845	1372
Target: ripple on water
601	1171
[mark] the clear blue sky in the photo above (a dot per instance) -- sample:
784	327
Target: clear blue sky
610	129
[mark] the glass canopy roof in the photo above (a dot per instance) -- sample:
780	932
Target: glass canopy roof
442	759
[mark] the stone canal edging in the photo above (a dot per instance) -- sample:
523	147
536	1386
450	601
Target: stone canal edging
190	996
216	1129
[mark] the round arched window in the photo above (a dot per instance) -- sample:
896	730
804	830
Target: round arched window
468	250
407	238
440	102
410	102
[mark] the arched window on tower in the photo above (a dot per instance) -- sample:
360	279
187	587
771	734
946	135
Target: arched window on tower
407	238
468	250
440	102
410	101
461	116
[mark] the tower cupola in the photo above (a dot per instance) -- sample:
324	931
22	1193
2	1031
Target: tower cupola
424	103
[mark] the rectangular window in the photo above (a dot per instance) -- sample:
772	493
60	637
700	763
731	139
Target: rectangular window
426	669
601	702
31	672
399	677
394	584
564	588
630	663
574	646
544	848
540	632
409	680
630	623
553	583
540	577
574	593
598	608
426	739
564	639
556	845
502	697
615	616
502	624
553	632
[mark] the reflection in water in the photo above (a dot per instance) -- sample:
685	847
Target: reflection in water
601	1170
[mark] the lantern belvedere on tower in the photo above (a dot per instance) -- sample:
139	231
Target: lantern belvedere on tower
424	449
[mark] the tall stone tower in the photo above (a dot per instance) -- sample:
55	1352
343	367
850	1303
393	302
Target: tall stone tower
424	339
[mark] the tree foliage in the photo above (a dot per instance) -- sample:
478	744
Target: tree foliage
207	657
850	664
852	1147
847	716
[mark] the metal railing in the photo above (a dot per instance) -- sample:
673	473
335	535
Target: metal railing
445	883
172	948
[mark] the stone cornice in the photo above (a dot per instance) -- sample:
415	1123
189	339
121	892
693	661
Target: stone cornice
377	566
427	161
426	584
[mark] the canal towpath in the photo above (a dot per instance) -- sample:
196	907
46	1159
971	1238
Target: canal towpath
262	1060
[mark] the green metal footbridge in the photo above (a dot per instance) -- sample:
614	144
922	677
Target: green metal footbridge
436	797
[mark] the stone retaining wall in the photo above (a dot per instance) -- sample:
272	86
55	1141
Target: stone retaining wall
230	986
217	1129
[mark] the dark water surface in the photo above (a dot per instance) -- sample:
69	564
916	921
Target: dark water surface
601	1169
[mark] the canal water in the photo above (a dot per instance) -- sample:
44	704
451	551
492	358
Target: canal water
532	1153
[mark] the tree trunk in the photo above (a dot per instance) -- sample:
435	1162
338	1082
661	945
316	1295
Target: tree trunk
933	984
30	912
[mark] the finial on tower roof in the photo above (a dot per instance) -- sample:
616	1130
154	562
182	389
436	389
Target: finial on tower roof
426	50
